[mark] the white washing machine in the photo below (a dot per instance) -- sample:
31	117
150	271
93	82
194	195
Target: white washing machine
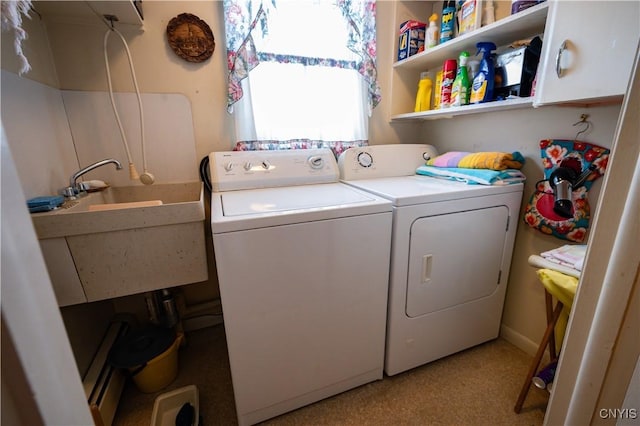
303	266
451	253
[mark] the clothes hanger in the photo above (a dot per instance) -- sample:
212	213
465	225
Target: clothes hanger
585	122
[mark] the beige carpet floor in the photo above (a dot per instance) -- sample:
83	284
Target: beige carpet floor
475	387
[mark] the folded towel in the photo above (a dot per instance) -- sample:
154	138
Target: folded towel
479	160
540	262
44	203
567	255
474	176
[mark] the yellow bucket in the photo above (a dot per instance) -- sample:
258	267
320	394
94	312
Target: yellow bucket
149	356
159	372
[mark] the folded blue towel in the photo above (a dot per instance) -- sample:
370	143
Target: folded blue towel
44	203
474	176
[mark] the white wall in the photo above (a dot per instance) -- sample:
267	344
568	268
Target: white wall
39	135
80	64
169	142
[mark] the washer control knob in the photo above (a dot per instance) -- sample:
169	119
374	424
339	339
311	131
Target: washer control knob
316	162
265	165
247	166
365	159
228	166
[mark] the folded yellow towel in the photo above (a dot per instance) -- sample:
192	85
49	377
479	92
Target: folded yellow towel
479	160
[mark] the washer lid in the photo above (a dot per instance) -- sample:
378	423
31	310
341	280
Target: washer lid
257	201
258	208
417	189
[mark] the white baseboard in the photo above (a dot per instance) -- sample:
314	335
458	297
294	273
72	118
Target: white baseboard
520	341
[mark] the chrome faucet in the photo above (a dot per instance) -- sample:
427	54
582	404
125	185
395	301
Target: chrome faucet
75	188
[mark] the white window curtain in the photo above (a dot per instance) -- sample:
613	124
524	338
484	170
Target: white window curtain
284	102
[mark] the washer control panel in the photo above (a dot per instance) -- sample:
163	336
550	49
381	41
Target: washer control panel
233	170
379	161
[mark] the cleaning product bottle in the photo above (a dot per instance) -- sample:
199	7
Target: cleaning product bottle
448	24
432	32
482	88
437	90
461	89
488	13
473	65
425	87
448	75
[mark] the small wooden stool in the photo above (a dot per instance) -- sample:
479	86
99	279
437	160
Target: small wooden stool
548	339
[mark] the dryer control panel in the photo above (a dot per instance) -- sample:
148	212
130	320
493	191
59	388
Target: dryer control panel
380	161
234	170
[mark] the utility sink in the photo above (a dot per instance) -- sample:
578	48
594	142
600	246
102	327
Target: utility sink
120	208
126	240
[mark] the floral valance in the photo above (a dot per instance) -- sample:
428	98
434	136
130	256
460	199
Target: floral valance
336	147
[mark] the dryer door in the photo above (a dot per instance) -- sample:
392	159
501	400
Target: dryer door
455	258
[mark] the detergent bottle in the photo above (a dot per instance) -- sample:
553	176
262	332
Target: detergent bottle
432	32
461	89
425	88
483	81
437	89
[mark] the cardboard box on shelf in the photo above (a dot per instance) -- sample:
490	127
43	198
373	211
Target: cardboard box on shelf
411	40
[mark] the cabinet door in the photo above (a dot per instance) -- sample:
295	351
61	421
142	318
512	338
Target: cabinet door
62	271
599	39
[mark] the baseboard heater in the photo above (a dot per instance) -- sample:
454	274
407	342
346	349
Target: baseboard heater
103	384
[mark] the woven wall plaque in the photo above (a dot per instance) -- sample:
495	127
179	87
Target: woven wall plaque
190	38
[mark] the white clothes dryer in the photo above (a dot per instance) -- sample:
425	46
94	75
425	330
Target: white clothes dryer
451	253
303	265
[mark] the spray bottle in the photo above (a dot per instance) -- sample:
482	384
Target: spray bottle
461	89
482	88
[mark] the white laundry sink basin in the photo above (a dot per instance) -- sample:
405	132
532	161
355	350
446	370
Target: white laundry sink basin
121	208
126	240
129	205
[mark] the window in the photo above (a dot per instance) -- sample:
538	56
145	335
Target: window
302	73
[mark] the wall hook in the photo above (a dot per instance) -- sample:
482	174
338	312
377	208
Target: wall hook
111	19
585	122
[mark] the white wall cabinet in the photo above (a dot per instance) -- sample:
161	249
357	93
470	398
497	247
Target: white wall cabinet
588	51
